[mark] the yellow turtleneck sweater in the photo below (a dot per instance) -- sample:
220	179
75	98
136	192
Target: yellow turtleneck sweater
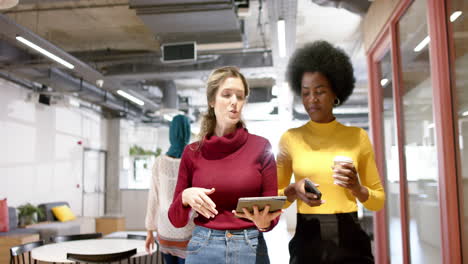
308	152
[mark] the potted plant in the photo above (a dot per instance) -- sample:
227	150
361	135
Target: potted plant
139	151
28	214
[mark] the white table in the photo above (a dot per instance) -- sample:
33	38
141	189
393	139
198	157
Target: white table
57	252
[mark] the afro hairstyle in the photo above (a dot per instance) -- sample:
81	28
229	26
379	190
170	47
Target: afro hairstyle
321	56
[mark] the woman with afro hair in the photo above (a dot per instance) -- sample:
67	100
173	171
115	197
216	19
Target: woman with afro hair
327	229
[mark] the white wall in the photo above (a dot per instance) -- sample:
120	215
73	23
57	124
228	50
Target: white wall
40	159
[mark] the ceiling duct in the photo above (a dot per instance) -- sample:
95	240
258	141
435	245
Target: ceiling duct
9	52
142	70
359	7
206	21
63	82
170	98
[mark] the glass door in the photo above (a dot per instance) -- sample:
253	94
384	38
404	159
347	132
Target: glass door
420	151
458	23
391	163
94	164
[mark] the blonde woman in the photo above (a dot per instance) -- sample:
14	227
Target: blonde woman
225	164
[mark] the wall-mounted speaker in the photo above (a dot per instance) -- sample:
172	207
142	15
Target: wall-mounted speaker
44	99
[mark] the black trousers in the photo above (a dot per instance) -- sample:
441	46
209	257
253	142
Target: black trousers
330	239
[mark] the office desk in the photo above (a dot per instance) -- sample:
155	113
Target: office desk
57	252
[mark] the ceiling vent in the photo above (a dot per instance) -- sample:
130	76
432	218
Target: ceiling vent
202	21
177	52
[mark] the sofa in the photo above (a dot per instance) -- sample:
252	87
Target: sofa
13	223
49	226
15	236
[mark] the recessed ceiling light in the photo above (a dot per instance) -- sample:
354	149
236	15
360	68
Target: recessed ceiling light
383	82
455	15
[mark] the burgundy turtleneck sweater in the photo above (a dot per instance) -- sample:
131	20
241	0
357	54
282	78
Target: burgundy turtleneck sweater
236	165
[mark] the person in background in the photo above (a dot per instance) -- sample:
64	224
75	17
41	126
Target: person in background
327	229
227	163
172	241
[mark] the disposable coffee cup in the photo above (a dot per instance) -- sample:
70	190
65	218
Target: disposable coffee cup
338	161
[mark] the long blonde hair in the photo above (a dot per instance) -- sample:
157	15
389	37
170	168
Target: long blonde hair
217	77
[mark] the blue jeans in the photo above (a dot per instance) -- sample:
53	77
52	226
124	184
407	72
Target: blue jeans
244	246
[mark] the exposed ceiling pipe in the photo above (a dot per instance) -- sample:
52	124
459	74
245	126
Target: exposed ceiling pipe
170	98
15	80
10	29
259	59
60	80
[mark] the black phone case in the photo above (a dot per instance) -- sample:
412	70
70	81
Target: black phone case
310	188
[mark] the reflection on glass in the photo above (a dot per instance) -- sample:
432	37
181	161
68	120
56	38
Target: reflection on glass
391	162
419	140
457	11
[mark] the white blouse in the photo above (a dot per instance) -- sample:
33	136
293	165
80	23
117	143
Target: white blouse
163	183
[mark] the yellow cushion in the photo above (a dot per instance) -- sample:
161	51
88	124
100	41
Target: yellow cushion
63	213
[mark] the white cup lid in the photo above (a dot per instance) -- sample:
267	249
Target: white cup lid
343	159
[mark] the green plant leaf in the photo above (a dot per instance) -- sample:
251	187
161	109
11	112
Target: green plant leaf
139	151
28	209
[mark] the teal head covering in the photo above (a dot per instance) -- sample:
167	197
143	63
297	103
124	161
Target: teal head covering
179	135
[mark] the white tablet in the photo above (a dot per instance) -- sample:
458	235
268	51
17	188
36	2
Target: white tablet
275	202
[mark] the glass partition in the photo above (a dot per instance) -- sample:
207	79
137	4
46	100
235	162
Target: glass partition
420	151
458	22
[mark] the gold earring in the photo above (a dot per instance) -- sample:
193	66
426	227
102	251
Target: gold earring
336	102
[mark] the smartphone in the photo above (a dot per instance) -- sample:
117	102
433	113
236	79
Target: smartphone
310	188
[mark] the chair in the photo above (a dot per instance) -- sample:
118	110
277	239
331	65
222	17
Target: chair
58	239
17	253
158	255
138	237
102	258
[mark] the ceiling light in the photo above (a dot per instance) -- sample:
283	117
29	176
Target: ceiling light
130	97
100	83
168	117
455	15
275	90
281	38
465	113
383	82
422	44
44	52
73	102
